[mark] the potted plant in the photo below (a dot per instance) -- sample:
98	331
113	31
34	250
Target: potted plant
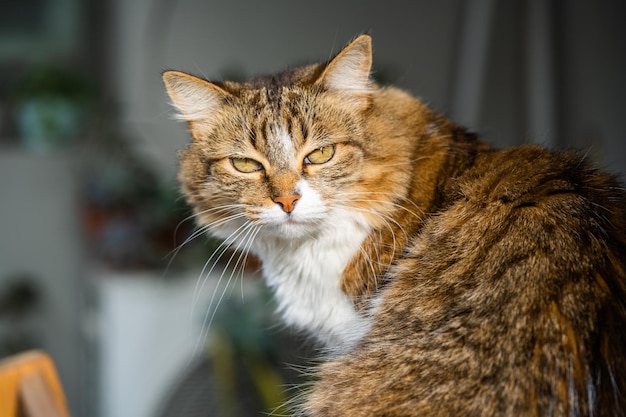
51	107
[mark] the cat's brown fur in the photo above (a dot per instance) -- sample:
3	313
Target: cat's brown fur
510	301
495	280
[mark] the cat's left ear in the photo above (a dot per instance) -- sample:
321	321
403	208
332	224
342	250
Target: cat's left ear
349	72
195	98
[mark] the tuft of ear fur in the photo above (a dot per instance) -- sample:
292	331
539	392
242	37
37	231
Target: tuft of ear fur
194	98
349	71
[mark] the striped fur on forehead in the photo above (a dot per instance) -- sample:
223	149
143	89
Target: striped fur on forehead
273	123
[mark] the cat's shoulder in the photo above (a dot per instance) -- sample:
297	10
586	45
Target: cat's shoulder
533	192
530	175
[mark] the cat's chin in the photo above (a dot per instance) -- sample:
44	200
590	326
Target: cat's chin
292	229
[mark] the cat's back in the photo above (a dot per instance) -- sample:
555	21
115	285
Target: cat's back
528	174
510	300
528	203
554	199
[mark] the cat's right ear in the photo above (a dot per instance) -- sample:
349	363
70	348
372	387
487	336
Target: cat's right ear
348	73
194	98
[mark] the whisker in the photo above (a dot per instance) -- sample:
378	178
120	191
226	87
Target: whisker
371	265
221	249
213	308
174	252
388	222
246	252
196	233
393	195
386	219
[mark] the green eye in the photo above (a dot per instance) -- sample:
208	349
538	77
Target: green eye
246	165
321	155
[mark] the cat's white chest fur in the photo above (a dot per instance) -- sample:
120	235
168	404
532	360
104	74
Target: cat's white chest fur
305	275
304	254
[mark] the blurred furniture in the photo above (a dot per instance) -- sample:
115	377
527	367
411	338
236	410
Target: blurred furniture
41	239
30	387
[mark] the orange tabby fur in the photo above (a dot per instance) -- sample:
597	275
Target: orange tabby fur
489	282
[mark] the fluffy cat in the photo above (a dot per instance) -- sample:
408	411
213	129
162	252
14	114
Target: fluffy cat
444	277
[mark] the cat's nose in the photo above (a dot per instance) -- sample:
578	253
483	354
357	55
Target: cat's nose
287	203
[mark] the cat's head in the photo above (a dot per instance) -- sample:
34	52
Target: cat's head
286	154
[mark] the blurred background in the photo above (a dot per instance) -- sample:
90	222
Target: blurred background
89	210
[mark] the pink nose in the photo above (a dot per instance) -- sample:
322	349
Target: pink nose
287	203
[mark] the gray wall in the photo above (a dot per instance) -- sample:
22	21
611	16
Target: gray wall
416	45
413	42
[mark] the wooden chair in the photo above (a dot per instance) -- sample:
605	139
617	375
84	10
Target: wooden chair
30	387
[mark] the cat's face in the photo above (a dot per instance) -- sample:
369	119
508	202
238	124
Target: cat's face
284	156
284	166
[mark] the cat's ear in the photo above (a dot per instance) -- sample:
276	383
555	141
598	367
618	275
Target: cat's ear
195	98
349	71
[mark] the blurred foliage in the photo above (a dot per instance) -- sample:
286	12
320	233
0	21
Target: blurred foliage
19	296
50	80
50	106
19	299
133	218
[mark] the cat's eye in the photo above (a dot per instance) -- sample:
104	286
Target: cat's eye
246	165
320	155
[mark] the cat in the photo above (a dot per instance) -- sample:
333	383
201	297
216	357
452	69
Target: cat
443	277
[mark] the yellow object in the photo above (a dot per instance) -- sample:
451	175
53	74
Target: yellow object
30	387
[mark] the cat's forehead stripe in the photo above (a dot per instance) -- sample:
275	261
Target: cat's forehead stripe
284	141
